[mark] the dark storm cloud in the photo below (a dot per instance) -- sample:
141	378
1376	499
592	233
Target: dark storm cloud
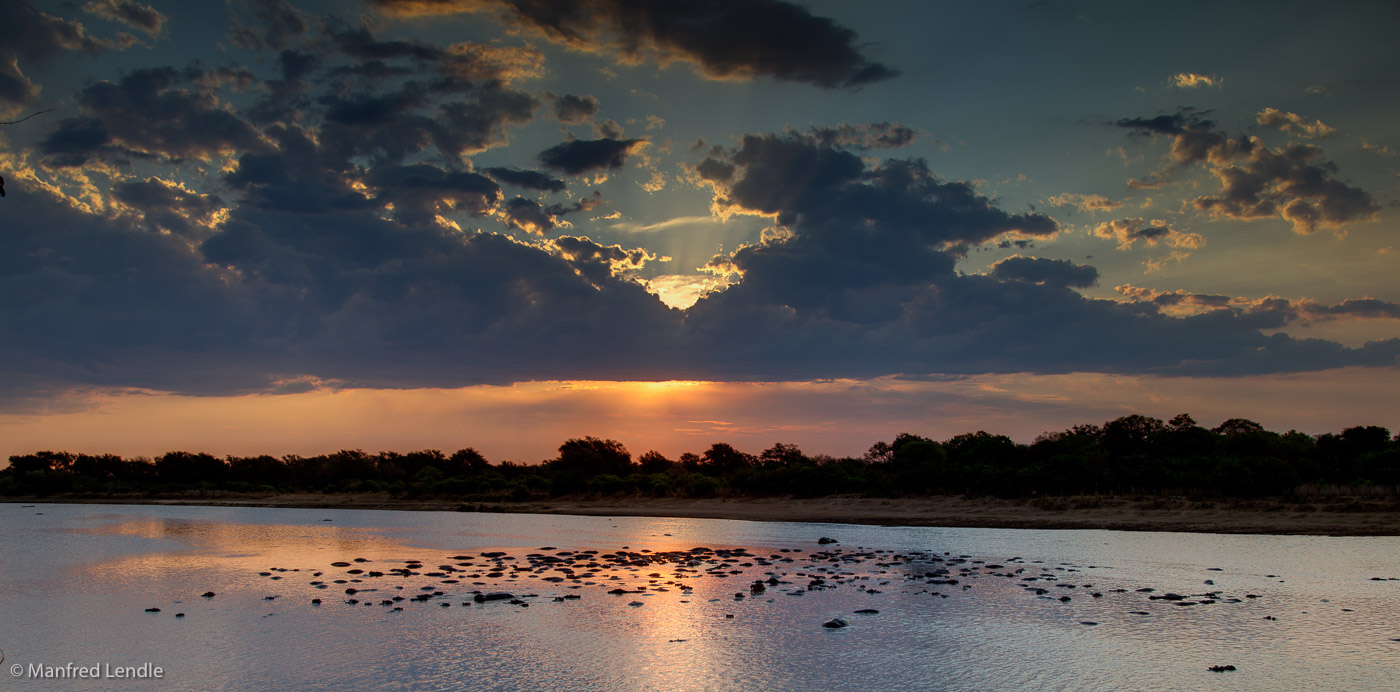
581	156
571	110
1257	181
149	113
1045	271
167	206
726	39
529	215
861	282
531	180
363	109
420	192
92	301
833	189
133	14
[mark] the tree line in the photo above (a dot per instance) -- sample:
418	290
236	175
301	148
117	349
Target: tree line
1130	455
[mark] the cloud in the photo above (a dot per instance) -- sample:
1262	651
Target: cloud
571	110
598	263
164	205
133	14
1051	272
150	114
317	271
1294	124
580	156
1128	231
531	180
29	36
420	193
274	24
1276	311
883	135
1258	181
1084	203
1192	80
730	39
793	178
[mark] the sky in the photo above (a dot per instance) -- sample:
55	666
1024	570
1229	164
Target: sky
268	227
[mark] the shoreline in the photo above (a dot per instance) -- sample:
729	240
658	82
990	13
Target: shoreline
1332	516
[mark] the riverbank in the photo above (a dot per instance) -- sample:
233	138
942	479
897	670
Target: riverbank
1328	516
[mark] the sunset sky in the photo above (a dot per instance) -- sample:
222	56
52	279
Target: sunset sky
259	226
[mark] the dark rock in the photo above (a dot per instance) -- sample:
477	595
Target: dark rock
1220	669
208	594
153	610
825	541
835	623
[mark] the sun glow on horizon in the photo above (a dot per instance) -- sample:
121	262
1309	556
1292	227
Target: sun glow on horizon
526	422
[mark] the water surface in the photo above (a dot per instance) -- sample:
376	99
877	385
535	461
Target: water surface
1289	612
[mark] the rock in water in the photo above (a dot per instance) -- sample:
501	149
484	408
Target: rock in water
835	623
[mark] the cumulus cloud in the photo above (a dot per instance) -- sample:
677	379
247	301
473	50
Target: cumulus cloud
150	113
1272	310
571	110
1040	270
596	262
730	39
1258	181
1078	202
28	36
1192	80
580	156
335	248
531	180
165	205
533	217
1129	231
1293	123
133	14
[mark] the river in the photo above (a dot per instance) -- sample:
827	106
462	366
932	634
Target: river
706	604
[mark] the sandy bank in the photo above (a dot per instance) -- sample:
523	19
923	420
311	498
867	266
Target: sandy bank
1325	516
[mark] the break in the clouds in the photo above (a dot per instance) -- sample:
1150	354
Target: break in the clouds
369	204
1294	182
728	39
